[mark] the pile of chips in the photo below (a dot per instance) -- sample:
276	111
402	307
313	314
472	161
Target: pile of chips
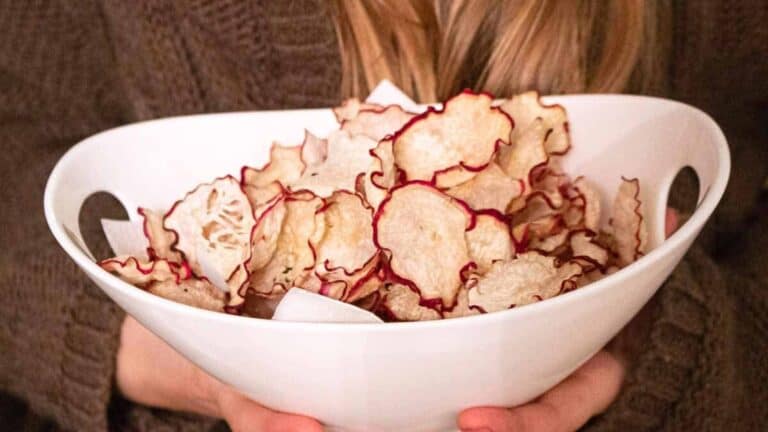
456	211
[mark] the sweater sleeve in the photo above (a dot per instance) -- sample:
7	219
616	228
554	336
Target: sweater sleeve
58	333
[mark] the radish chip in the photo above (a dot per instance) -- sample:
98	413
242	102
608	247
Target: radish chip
140	273
350	108
377	124
348	240
348	156
627	224
314	149
422	230
402	304
587	252
528	278
160	239
192	292
489	241
293	258
381	175
213	221
491	188
525	108
447	146
285	165
525	154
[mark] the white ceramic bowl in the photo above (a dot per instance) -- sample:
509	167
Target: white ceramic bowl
403	376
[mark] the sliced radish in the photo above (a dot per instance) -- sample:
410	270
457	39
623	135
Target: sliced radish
525	154
491	188
489	241
140	272
348	156
378	124
449	146
214	221
192	292
293	259
402	304
314	150
160	239
350	108
587	252
285	165
627	224
528	278
525	108
422	231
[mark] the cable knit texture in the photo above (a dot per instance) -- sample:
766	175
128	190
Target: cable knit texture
68	70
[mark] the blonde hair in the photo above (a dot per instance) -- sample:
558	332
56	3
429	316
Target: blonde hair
432	49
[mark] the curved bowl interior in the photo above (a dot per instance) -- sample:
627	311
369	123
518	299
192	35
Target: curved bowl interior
405	376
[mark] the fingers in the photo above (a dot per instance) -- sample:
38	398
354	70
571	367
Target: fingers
671	221
568	406
244	415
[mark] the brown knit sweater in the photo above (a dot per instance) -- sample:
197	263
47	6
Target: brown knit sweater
69	69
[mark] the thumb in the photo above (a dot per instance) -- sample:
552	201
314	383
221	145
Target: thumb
244	415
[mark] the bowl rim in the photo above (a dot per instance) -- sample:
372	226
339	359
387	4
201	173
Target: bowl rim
689	229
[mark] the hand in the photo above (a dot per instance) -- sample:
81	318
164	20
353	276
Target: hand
587	392
151	373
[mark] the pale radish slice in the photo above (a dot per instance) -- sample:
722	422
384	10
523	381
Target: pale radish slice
378	124
423	232
462	308
191	292
489	241
347	243
215	220
348	156
381	175
627	224
491	188
265	235
591	202
314	150
293	259
401	303
528	278
160	239
449	146
525	154
587	252
351	107
285	165
140	272
526	107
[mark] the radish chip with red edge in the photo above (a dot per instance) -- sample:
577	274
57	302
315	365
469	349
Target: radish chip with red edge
314	149
214	221
377	124
191	292
422	230
550	244
348	156
365	286
627	224
525	108
526	153
402	304
587	252
381	175
285	165
141	272
293	259
265	235
528	278
348	240
489	241
261	196
448	146
462	308
351	107
160	239
591	204
491	188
